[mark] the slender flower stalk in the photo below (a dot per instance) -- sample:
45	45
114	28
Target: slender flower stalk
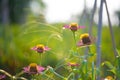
74	38
6	73
41	59
20	73
70	75
74	42
99	38
111	31
52	70
93	72
91	23
92	17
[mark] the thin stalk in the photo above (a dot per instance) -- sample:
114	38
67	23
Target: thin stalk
91	23
48	77
58	75
74	76
93	74
21	78
52	70
74	42
111	31
6	73
19	74
5	22
98	61
70	75
74	38
92	16
41	58
86	69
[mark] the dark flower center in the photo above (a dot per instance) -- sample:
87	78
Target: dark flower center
40	49
86	40
73	28
33	69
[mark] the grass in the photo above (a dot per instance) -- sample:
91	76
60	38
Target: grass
21	38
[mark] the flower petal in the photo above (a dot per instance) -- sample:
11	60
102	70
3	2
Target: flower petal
34	48
80	43
81	27
66	26
46	48
2	76
26	69
40	69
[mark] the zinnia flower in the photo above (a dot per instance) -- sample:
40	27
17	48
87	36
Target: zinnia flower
73	27
73	64
2	77
85	40
40	48
33	68
109	78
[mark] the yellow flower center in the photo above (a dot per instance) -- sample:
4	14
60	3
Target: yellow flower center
73	63
85	35
85	38
40	46
109	78
73	25
33	65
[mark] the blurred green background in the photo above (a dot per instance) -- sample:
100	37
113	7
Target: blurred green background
20	30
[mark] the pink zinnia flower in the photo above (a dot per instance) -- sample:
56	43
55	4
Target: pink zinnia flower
33	68
40	48
109	78
2	77
85	40
73	64
73	27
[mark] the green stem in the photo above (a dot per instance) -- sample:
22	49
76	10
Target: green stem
41	59
93	74
17	75
6	73
74	42
58	75
70	75
74	38
111	30
86	67
98	45
22	78
51	70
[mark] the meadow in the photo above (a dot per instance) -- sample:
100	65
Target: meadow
64	61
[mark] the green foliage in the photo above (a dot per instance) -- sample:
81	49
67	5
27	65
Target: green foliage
20	40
